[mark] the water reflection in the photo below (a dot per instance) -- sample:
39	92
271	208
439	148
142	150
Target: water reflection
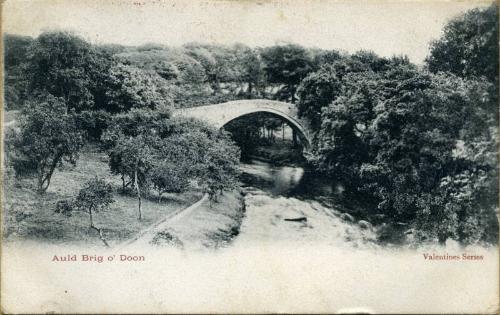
284	180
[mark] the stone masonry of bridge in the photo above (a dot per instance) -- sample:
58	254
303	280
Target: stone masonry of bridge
220	114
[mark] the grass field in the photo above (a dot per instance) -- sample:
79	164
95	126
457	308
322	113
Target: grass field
30	216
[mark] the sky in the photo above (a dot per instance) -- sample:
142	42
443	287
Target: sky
385	27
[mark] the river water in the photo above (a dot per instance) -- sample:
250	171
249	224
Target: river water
282	206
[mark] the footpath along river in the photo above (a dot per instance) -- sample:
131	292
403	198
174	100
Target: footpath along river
274	195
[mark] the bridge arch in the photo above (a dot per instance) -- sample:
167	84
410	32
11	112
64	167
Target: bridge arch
290	120
219	115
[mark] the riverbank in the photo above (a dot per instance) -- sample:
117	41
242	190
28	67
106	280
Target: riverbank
208	225
308	187
288	221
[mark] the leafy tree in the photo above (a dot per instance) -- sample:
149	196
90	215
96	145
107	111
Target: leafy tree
66	66
140	121
130	87
175	163
220	167
316	91
324	57
249	68
287	65
15	52
49	136
216	61
371	60
131	125
169	177
133	157
158	60
95	196
112	49
468	46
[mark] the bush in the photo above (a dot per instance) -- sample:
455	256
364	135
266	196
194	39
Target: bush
65	207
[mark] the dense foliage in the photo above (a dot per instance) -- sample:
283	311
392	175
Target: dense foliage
421	146
469	46
48	137
66	66
150	150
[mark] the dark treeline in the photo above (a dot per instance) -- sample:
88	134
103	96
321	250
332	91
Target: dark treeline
116	78
419	142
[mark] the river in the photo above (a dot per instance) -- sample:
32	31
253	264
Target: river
282	205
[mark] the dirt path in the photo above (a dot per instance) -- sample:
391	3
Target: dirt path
142	240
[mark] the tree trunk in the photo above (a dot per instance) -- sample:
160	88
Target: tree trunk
123	183
250	89
283	131
46	179
292	91
294	136
136	184
43	183
101	237
91	220
40	182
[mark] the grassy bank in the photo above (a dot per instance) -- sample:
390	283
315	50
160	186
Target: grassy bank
209	225
29	216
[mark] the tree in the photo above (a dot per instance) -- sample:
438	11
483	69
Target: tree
131	125
249	68
219	166
95	196
169	177
15	52
324	57
130	87
217	61
48	137
65	66
175	163
133	157
316	91
468	46
287	65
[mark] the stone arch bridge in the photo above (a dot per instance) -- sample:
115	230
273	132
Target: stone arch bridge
219	115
